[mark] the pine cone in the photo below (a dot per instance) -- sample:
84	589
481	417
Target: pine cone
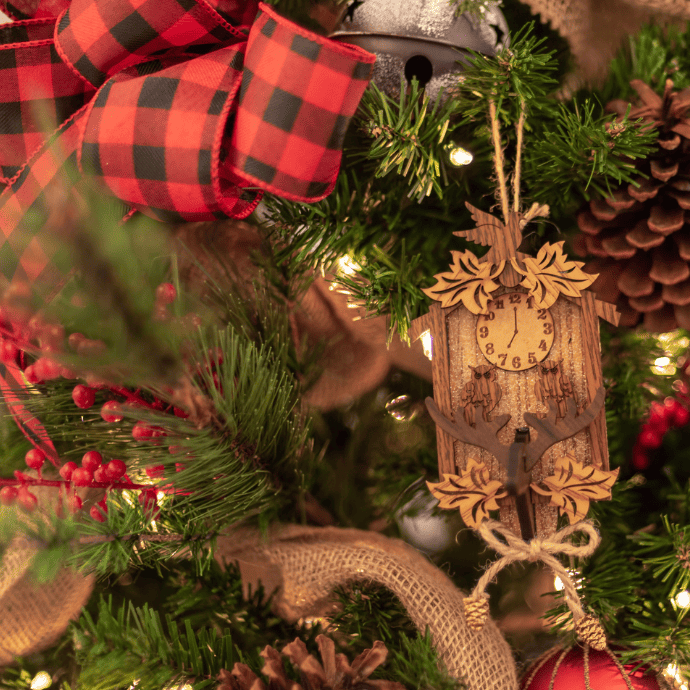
334	673
639	235
476	612
589	630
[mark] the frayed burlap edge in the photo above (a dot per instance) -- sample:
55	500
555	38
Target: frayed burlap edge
307	563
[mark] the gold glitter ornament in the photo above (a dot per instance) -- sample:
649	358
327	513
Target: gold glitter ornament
420	38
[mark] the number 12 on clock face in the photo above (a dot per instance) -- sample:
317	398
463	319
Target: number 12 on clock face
515	335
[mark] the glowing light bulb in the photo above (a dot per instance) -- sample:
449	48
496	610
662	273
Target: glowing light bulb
558	583
41	681
662	361
459	156
348	266
427	342
683	599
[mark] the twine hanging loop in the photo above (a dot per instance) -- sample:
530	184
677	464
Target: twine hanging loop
515	549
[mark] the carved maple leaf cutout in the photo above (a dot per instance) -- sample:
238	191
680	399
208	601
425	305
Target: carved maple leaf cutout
468	281
573	486
474	493
551	273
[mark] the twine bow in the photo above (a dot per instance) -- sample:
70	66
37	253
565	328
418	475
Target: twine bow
545	550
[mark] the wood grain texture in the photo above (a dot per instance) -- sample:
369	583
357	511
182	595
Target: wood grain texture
419	326
490	231
594	377
440	370
607	311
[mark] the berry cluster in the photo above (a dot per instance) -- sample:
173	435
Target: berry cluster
24	338
672	413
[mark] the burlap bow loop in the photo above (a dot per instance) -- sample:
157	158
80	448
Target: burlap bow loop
515	549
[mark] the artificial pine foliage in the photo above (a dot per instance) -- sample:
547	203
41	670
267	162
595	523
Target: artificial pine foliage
204	352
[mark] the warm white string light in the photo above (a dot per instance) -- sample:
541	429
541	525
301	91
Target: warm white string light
41	681
459	156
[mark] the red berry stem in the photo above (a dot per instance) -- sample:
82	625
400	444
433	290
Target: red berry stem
60	483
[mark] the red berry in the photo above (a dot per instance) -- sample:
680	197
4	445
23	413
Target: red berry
100	474
68	373
155	472
74	340
7	495
82	477
142	431
67	469
35	459
180	413
87	347
92	460
9	352
111	411
165	293
681	416
26	499
83	396
640	459
47	369
192	320
31	374
75	503
54	334
99	511
161	313
148	501
115	469
650	438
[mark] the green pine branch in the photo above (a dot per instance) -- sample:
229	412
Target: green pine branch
408	136
131	645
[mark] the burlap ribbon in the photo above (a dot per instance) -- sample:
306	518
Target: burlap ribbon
33	616
545	550
305	564
595	29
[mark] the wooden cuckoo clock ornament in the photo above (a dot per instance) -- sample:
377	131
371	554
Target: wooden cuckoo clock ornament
518	386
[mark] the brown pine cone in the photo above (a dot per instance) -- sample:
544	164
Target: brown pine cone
333	673
639	235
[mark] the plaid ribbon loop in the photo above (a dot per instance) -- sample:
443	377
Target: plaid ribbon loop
180	113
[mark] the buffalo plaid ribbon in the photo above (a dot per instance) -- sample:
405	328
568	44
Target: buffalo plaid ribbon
182	109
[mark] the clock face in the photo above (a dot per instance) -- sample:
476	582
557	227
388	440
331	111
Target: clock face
515	335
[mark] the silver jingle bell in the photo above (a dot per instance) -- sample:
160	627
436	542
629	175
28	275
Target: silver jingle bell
422	39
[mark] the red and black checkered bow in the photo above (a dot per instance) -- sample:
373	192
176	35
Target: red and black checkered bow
182	109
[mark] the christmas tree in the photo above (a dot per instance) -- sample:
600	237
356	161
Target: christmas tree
226	457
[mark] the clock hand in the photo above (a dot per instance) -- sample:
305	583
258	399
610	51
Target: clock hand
516	328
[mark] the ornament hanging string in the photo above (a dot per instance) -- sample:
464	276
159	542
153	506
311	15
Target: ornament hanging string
515	549
499	160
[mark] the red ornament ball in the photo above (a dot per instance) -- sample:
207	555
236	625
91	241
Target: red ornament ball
579	667
92	460
35	459
83	396
110	412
